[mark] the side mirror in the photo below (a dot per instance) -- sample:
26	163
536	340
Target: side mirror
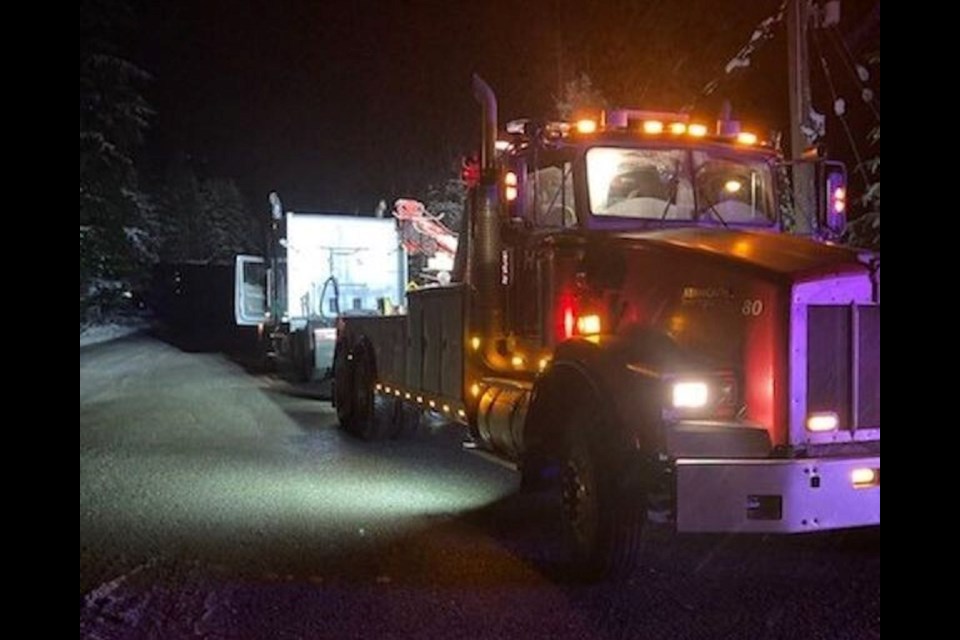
819	194
831	198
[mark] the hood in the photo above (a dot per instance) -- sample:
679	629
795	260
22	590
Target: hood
794	258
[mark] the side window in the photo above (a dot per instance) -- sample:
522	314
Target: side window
549	196
254	288
250	290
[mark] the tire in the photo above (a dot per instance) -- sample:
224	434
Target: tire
370	412
406	420
343	374
361	411
536	474
602	515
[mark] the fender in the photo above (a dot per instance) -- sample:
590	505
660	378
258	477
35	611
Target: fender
622	374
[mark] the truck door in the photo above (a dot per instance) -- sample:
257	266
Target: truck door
546	207
250	291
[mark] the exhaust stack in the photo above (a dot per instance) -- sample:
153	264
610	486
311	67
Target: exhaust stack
485	221
488	129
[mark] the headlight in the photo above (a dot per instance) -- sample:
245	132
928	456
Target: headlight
690	394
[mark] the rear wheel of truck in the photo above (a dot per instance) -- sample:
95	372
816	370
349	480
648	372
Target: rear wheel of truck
360	410
536	473
371	412
602	518
406	420
343	374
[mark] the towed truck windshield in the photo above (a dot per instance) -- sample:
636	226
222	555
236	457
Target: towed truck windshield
679	184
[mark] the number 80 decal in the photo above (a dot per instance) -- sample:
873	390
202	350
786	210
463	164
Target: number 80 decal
752	307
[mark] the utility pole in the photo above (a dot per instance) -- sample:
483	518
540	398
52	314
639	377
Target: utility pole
804	174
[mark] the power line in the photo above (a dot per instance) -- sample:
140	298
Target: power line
853	67
840	112
758	37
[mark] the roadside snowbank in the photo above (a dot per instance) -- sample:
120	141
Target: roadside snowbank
97	333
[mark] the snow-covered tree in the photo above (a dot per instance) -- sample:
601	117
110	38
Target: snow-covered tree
446	200
113	118
227	223
202	220
579	94
864	231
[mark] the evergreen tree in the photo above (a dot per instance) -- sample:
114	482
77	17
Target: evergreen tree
113	118
202	220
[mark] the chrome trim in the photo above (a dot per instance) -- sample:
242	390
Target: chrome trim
851	290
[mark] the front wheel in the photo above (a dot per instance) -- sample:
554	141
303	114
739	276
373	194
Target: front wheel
602	516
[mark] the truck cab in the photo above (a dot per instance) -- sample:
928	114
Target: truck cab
568	188
614	184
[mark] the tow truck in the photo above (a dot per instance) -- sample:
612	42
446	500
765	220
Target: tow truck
629	322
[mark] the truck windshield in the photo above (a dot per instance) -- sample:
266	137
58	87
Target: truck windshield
679	184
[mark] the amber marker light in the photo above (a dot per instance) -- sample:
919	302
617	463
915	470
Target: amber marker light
586	126
652	126
865	477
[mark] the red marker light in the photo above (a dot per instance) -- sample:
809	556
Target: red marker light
470	172
568	317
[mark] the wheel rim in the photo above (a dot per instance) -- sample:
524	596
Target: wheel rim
579	496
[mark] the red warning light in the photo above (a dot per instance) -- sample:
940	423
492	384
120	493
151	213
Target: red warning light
470	172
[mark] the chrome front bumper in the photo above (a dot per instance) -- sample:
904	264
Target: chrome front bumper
777	495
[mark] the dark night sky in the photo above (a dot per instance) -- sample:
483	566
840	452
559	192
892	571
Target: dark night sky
337	105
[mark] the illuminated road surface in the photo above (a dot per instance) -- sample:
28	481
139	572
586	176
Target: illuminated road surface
214	503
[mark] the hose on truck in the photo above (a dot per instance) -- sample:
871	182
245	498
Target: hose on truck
336	297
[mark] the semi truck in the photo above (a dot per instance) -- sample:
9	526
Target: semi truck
320	266
630	324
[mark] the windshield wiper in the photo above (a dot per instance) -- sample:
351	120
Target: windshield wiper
674	188
712	208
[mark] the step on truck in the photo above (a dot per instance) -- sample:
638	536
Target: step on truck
629	320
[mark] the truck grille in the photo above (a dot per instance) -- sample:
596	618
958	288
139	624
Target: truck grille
843	363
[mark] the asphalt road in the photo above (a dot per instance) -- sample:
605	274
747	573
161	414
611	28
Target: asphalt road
219	504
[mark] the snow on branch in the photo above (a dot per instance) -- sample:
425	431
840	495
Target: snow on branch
760	35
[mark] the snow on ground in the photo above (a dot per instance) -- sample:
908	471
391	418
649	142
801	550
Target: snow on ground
97	333
213	505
